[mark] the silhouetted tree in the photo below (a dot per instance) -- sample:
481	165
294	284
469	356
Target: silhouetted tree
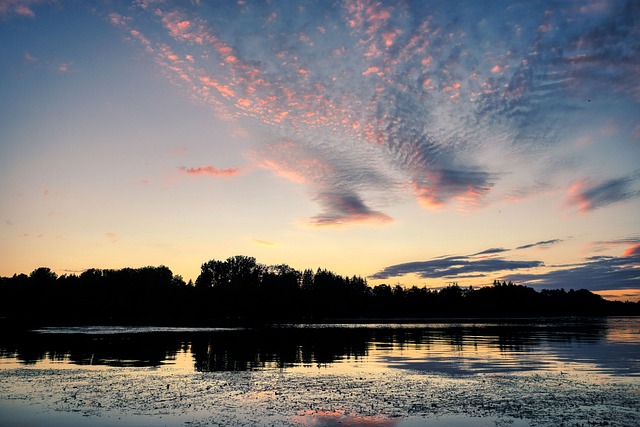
240	289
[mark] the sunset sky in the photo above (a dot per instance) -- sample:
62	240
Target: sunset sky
409	142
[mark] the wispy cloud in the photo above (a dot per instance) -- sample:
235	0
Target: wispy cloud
64	67
453	267
478	264
297	163
457	266
491	251
612	40
264	243
210	171
441	186
18	7
337	180
631	244
594	273
29	58
543	244
587	195
415	99
343	208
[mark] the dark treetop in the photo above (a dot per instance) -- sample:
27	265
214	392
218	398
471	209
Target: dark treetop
240	290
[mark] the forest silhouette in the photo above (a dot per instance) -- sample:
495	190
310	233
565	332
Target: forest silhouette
240	290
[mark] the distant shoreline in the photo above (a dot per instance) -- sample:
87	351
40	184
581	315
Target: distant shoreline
10	325
240	291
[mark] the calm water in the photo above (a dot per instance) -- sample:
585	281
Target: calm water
467	373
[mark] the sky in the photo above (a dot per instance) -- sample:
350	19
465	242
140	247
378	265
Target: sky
409	142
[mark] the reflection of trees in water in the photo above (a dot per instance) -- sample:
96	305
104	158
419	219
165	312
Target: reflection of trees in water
249	349
85	349
281	348
504	337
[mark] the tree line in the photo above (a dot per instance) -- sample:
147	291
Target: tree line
241	290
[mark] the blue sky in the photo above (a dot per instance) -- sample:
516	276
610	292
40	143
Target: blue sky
410	142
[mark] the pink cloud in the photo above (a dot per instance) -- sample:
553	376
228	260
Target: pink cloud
117	19
210	171
242	85
632	251
18	7
427	197
575	196
289	160
339	205
466	187
341	208
370	70
588	195
24	11
631	244
29	58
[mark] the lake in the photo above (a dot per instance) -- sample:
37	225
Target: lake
449	373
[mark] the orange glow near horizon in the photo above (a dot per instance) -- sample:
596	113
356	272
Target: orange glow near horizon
632	295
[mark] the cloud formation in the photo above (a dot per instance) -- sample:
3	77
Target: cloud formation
594	273
491	251
631	244
342	208
18	7
210	171
457	266
426	94
543	243
478	264
587	196
632	251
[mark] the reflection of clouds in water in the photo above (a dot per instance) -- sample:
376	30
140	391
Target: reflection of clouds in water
341	418
355	396
576	351
481	363
608	347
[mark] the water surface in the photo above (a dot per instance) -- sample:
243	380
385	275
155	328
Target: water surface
439	373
